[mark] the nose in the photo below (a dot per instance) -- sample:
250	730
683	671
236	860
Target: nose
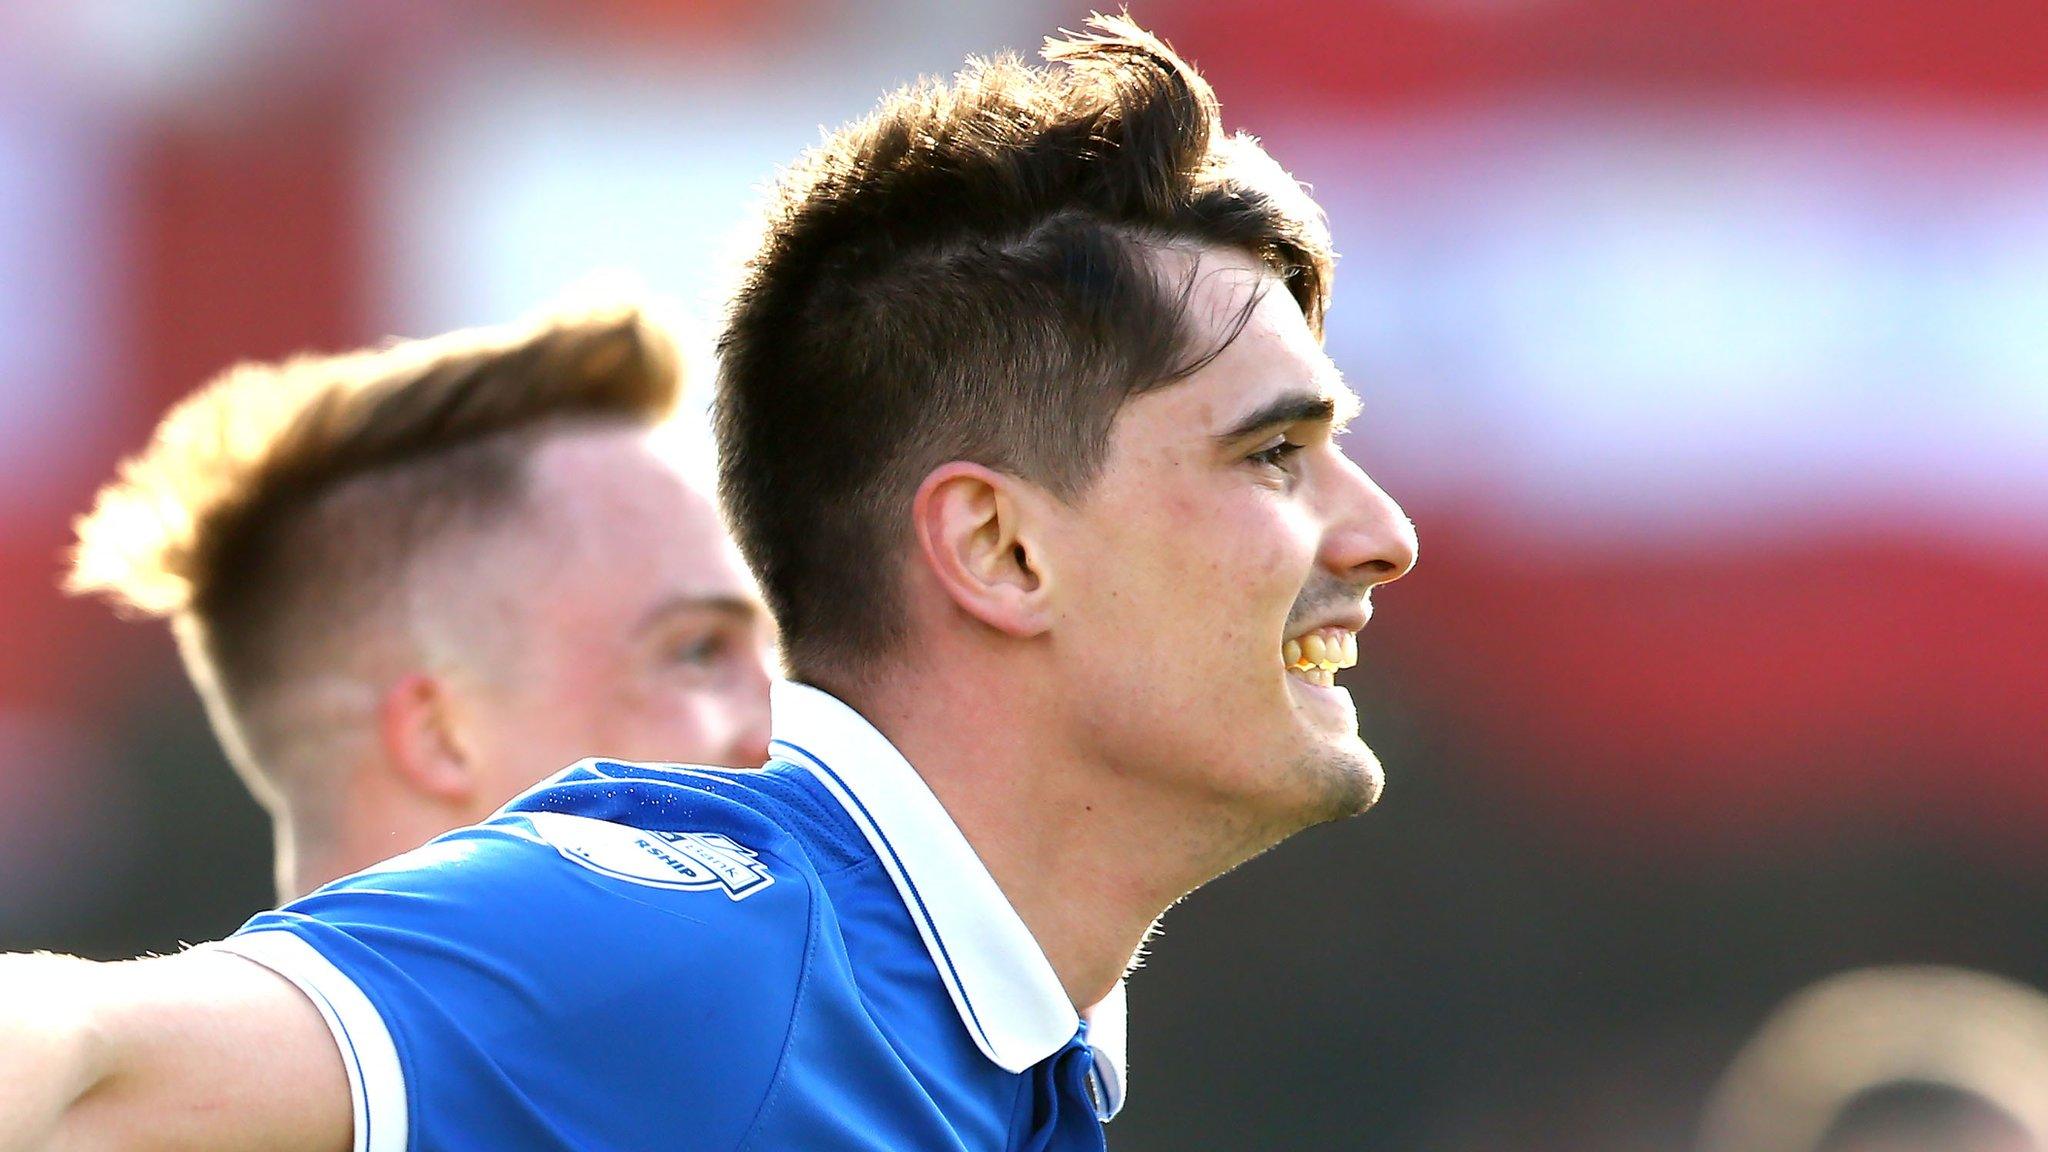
748	703
1370	540
751	751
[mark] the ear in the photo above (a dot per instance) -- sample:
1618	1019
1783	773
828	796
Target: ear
422	740
974	527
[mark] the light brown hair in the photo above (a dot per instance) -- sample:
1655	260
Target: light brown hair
274	513
967	273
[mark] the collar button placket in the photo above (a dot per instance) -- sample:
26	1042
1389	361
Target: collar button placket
1064	1112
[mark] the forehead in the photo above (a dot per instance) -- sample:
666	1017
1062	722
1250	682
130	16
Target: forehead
616	501
1270	354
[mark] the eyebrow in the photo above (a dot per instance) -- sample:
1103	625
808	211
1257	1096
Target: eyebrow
739	608
1334	407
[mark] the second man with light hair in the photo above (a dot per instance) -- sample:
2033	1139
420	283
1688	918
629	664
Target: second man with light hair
411	582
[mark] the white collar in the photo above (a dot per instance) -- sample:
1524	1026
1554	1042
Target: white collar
1001	983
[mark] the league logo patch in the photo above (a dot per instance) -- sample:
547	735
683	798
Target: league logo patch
685	861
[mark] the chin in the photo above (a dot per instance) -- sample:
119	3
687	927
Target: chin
1345	780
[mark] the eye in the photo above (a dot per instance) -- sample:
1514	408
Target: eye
697	651
1275	455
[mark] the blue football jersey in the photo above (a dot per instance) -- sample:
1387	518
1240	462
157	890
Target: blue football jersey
629	956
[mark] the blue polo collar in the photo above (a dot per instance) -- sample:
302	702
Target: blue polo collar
1004	988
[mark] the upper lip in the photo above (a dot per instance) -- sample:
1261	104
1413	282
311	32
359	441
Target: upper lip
1351	620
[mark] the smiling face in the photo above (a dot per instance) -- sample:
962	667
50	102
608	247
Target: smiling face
1218	569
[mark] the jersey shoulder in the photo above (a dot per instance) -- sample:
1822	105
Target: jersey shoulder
602	842
625	916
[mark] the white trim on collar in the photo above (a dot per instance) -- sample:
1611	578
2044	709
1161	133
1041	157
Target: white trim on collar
1002	985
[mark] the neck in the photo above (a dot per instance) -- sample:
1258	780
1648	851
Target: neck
364	830
1089	858
286	864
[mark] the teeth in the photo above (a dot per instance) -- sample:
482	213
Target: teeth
1317	656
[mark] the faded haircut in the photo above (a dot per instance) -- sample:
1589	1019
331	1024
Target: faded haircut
275	512
970	273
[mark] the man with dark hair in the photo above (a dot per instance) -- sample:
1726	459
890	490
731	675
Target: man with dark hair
392	577
1028	434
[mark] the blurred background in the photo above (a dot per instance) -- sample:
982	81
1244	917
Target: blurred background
1708	345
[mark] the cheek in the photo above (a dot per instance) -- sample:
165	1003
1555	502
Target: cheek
671	717
1231	567
578	700
1253	563
519	746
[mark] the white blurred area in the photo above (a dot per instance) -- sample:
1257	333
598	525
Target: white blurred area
1680	323
523	166
59	229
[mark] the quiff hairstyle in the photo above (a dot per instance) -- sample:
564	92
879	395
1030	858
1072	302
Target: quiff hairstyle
276	511
969	274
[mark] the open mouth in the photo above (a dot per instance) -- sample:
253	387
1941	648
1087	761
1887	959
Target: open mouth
1316	656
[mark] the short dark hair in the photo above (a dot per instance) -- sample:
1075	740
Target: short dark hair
966	275
282	501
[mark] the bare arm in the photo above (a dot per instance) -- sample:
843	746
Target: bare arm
198	1051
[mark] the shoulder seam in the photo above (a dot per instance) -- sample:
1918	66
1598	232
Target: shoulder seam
796	1005
320	995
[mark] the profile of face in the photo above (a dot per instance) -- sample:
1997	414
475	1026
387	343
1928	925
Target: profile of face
1220	567
626	624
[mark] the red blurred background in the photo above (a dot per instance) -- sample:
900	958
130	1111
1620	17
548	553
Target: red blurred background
1707	344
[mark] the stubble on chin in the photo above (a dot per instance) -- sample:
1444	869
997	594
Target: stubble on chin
1325	787
1343	783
